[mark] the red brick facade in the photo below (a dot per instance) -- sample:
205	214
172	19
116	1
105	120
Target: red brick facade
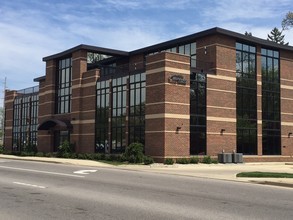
167	107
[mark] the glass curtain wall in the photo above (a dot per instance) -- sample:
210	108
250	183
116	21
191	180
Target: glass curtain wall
118	114
102	115
64	78
137	108
198	113
111	124
25	122
246	96
271	125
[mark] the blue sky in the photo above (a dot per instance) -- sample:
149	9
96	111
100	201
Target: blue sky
33	29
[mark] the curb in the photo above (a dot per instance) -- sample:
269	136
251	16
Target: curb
58	161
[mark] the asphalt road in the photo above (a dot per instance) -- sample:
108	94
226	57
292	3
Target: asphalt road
34	190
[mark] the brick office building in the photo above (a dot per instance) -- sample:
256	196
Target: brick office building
201	94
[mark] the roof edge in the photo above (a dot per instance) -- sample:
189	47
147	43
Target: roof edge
107	51
41	78
215	30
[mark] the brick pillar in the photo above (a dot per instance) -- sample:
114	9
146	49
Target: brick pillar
221	92
286	96
83	103
8	124
47	95
167	106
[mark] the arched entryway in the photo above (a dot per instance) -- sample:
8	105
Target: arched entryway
60	129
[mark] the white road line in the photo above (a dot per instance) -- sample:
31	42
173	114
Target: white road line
40	171
31	185
85	171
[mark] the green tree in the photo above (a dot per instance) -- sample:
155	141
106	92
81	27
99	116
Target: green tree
248	33
287	22
276	36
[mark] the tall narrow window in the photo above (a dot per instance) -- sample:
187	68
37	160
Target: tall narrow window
63	86
102	116
246	97
271	125
198	113
137	108
118	114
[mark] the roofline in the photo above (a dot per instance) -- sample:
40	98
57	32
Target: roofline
171	43
212	31
103	50
41	78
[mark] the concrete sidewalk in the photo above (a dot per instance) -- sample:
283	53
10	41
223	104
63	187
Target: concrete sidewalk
212	171
224	171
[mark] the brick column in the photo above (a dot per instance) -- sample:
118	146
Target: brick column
167	106
221	92
286	96
83	103
47	95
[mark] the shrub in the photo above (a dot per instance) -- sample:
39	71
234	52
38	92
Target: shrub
207	160
47	154
31	148
103	156
215	161
73	155
194	160
16	153
27	153
115	157
183	161
148	160
40	154
97	156
66	147
132	159
169	161
108	157
134	153
66	155
81	156
89	156
1	149
123	158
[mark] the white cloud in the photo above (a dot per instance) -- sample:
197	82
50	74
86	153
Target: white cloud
31	31
150	4
227	10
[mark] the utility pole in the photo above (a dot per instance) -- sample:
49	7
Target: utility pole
3	111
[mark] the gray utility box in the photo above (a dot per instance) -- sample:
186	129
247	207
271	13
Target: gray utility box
225	158
237	158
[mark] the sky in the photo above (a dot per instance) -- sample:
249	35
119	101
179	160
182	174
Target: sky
33	29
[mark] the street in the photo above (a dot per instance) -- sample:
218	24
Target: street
35	190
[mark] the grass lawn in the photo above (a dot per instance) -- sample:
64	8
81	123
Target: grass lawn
265	175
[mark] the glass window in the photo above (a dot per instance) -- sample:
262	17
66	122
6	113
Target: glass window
25	120
181	49
197	113
193	48
137	112
187	49
63	87
246	99
271	138
102	117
